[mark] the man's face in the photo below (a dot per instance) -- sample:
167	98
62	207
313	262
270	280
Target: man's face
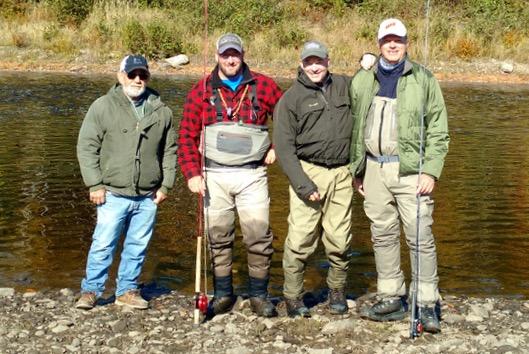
134	83
393	48
230	63
315	68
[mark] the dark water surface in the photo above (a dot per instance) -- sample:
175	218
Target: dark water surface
482	202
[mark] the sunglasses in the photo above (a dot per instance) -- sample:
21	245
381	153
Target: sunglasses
142	74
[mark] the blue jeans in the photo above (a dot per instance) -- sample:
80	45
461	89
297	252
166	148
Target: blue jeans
132	216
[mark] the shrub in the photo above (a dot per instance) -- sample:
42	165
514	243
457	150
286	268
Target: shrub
72	11
155	39
289	35
465	48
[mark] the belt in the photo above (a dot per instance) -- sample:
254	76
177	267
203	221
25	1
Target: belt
383	158
212	164
325	165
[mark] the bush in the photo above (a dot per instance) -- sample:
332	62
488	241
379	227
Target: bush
289	35
155	40
72	11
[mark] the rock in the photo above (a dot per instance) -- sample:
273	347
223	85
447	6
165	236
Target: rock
59	329
338	326
177	60
118	326
66	292
453	318
480	310
7	292
525	326
474	318
507	67
29	294
320	351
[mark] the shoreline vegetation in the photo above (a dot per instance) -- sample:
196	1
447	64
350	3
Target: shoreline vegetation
468	40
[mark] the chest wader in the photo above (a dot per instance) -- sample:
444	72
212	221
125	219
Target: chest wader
234	143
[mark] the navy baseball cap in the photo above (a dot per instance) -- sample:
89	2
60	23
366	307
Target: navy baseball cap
133	62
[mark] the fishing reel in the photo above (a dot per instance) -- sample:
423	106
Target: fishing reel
417	329
201	303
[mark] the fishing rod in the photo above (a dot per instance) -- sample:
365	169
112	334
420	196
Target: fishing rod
416	326
201	298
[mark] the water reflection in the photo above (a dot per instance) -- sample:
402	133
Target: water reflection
46	221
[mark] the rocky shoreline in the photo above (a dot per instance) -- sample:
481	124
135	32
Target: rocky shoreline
47	322
477	71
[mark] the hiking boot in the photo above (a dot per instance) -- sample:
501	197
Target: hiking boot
87	301
386	310
296	308
222	304
429	320
263	307
132	298
337	302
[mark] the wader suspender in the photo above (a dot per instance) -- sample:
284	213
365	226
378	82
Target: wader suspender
253	98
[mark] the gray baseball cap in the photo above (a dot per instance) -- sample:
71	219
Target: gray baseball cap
314	48
229	41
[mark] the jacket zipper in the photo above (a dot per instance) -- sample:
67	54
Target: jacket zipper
380	130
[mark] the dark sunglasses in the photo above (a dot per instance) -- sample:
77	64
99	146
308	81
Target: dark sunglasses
142	74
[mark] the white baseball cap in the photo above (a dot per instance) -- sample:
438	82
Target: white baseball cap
391	26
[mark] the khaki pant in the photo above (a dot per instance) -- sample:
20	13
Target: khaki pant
306	221
388	199
247	191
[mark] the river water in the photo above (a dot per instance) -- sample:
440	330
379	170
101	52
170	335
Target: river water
481	211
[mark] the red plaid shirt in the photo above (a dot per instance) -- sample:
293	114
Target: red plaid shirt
200	107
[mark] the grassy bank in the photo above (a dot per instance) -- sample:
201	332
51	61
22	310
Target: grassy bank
97	31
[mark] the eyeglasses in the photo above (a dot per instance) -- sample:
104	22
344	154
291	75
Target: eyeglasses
142	74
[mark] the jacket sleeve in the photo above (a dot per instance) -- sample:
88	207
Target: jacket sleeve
169	156
189	133
89	148
284	136
436	134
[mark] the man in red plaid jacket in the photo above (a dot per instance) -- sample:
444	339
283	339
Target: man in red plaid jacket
223	152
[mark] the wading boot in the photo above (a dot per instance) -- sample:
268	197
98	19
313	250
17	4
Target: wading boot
386	310
429	319
337	302
296	308
258	291
263	307
223	304
223	299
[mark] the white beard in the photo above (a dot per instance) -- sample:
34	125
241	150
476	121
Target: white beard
133	92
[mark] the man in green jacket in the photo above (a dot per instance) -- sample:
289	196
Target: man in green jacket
395	104
312	135
127	155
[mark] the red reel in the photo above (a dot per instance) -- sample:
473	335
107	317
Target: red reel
202	303
419	328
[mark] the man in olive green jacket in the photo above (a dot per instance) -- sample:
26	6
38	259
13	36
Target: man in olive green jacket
394	105
312	136
127	154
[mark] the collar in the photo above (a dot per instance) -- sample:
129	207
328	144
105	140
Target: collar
216	81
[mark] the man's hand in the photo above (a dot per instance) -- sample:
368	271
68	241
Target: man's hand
196	185
315	197
270	157
160	197
426	184
367	61
358	184
98	197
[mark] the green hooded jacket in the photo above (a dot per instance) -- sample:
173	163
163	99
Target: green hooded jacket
418	94
123	154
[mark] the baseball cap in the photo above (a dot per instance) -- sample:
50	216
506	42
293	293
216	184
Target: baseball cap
391	26
229	41
314	48
133	62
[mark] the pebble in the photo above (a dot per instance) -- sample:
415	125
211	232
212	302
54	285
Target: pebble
7	292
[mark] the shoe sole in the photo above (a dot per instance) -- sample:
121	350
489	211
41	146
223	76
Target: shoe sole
393	316
119	303
84	307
